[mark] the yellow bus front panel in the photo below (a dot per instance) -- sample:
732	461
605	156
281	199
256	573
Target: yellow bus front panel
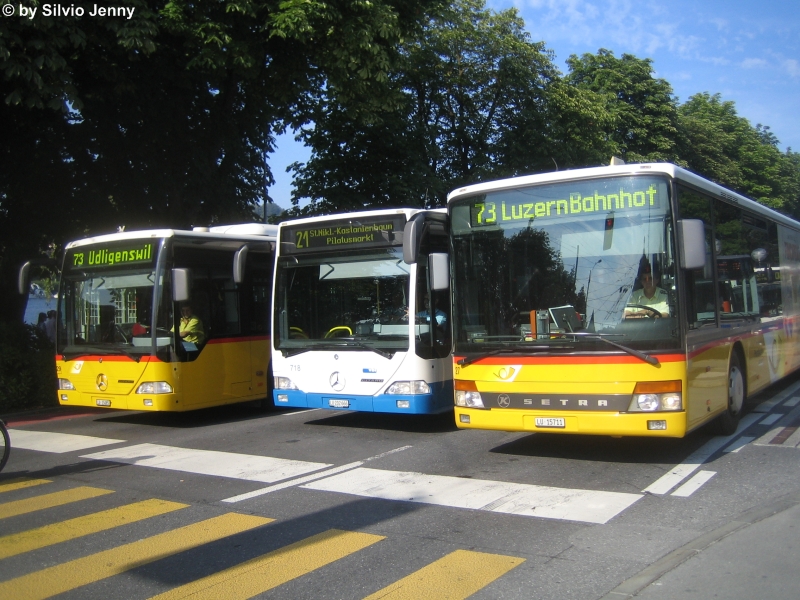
226	371
572	395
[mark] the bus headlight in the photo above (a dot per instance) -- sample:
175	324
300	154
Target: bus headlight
469	399
154	387
284	383
407	388
65	384
652	396
467	394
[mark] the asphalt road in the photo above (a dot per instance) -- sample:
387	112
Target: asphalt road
236	503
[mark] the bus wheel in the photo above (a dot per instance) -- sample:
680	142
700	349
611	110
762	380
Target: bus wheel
737	392
268	402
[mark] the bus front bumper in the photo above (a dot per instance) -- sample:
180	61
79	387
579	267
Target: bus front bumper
651	424
439	401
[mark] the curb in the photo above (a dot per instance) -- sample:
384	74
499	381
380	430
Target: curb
633	585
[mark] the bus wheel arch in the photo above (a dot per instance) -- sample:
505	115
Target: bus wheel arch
728	421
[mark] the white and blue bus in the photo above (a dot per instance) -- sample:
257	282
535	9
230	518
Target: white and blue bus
352	326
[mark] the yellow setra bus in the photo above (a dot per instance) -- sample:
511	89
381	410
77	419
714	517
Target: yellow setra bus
628	300
122	298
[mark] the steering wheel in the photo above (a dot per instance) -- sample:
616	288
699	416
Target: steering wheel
297	333
117	332
652	313
339	331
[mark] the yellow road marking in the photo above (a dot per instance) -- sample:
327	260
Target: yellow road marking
21	484
266	572
453	577
21	507
17	543
82	571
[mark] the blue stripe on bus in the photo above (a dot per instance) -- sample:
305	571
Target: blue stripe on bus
439	400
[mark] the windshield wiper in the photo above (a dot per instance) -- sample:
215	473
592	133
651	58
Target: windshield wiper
505	350
650	360
337	346
98	352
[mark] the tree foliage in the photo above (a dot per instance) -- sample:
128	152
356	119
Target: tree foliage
643	108
167	118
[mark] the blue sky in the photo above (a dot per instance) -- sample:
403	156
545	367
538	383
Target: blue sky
748	52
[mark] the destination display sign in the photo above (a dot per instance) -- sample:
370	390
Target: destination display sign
371	232
593	198
112	254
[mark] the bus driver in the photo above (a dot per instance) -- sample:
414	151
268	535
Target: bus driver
649	295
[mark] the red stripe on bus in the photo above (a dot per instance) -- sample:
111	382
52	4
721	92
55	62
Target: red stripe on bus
571	360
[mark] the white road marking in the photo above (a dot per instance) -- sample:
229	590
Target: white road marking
792	401
680	472
527	500
209	462
57	443
299	412
770	419
691	486
739	444
767	406
307	478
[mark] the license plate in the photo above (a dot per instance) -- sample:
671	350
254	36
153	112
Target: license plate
339	403
103	402
550	422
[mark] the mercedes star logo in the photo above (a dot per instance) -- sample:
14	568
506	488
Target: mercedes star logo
102	382
503	401
337	381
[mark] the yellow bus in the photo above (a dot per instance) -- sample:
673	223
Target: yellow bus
123	296
628	300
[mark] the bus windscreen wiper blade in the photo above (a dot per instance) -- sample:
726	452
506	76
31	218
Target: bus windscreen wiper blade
505	350
650	360
71	355
337	346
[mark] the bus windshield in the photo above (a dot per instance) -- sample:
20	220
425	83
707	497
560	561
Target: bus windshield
352	300
565	267
111	313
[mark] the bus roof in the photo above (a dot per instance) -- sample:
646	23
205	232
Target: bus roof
668	169
408	212
245	232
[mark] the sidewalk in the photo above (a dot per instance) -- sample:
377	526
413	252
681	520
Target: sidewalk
755	556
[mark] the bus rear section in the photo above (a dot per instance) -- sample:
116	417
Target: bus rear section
352	321
166	320
624	300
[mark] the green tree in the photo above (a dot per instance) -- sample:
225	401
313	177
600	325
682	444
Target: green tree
168	118
470	103
724	147
643	108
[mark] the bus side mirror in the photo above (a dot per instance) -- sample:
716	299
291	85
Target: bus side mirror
692	240
439	270
239	260
23	282
180	284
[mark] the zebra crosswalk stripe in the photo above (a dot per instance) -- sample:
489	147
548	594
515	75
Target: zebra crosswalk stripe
457	575
33	539
266	572
29	505
21	484
82	571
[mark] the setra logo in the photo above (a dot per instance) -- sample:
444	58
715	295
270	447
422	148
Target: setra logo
503	401
508	373
102	382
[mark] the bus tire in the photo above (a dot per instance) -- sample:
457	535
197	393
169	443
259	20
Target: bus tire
268	401
728	421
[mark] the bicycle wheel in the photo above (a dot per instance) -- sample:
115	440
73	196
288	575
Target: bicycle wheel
6	445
